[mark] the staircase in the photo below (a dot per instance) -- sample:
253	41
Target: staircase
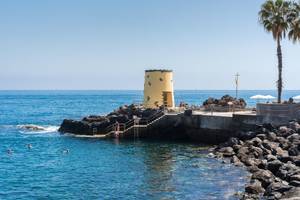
121	129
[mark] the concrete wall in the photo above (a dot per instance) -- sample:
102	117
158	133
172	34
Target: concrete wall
157	82
278	113
169	127
204	128
200	128
208	129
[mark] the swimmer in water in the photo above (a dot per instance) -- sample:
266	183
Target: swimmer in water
9	151
66	151
29	146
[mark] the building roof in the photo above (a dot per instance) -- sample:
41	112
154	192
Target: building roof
158	70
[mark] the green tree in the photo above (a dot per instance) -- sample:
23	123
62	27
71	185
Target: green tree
279	17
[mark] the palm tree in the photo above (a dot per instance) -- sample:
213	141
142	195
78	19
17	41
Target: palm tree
276	17
294	33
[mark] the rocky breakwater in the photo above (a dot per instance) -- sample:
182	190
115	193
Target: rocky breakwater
271	155
224	103
96	124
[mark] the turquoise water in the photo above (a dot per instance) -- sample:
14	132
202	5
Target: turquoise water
103	169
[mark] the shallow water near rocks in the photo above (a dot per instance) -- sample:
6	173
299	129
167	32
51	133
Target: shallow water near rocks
113	169
100	169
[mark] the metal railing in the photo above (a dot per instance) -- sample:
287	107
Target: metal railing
151	118
123	127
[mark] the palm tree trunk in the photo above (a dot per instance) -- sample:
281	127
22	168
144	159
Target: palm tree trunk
279	82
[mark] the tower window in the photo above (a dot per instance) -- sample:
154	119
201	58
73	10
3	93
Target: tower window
149	83
161	79
148	98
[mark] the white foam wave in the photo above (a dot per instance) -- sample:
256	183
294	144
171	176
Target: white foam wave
32	128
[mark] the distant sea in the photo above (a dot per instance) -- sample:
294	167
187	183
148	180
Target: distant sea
104	169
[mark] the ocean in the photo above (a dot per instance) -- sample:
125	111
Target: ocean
63	167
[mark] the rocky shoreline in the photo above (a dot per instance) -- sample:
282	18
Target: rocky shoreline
271	155
97	124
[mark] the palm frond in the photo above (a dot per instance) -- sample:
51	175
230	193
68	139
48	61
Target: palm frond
294	33
276	16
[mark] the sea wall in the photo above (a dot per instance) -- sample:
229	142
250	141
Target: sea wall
278	113
198	128
211	129
169	127
207	129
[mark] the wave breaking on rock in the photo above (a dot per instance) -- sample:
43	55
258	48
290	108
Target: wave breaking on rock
32	128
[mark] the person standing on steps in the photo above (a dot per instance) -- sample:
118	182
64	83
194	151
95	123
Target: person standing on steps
117	129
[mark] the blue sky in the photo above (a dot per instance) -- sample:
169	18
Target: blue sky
97	44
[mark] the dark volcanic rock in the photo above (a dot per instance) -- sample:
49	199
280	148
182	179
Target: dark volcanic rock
246	135
287	170
254	187
118	118
274	166
255	152
230	142
76	127
256	141
227	151
243	153
284	131
271	136
264	176
294	126
235	160
293	151
295	160
295	183
294	138
95	124
238	103
269	145
268	127
292	194
272	156
283	143
263	164
261	136
280	187
94	118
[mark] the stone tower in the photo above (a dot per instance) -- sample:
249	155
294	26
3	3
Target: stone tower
158	88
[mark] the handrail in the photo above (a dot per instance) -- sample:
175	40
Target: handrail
129	124
153	118
109	128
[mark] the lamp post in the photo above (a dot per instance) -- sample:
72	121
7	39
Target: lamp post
236	85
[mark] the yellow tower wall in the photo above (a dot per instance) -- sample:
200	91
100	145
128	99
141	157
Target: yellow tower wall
158	89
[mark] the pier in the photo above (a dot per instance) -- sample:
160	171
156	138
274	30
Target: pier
200	126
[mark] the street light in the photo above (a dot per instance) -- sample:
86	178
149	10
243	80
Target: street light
236	85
